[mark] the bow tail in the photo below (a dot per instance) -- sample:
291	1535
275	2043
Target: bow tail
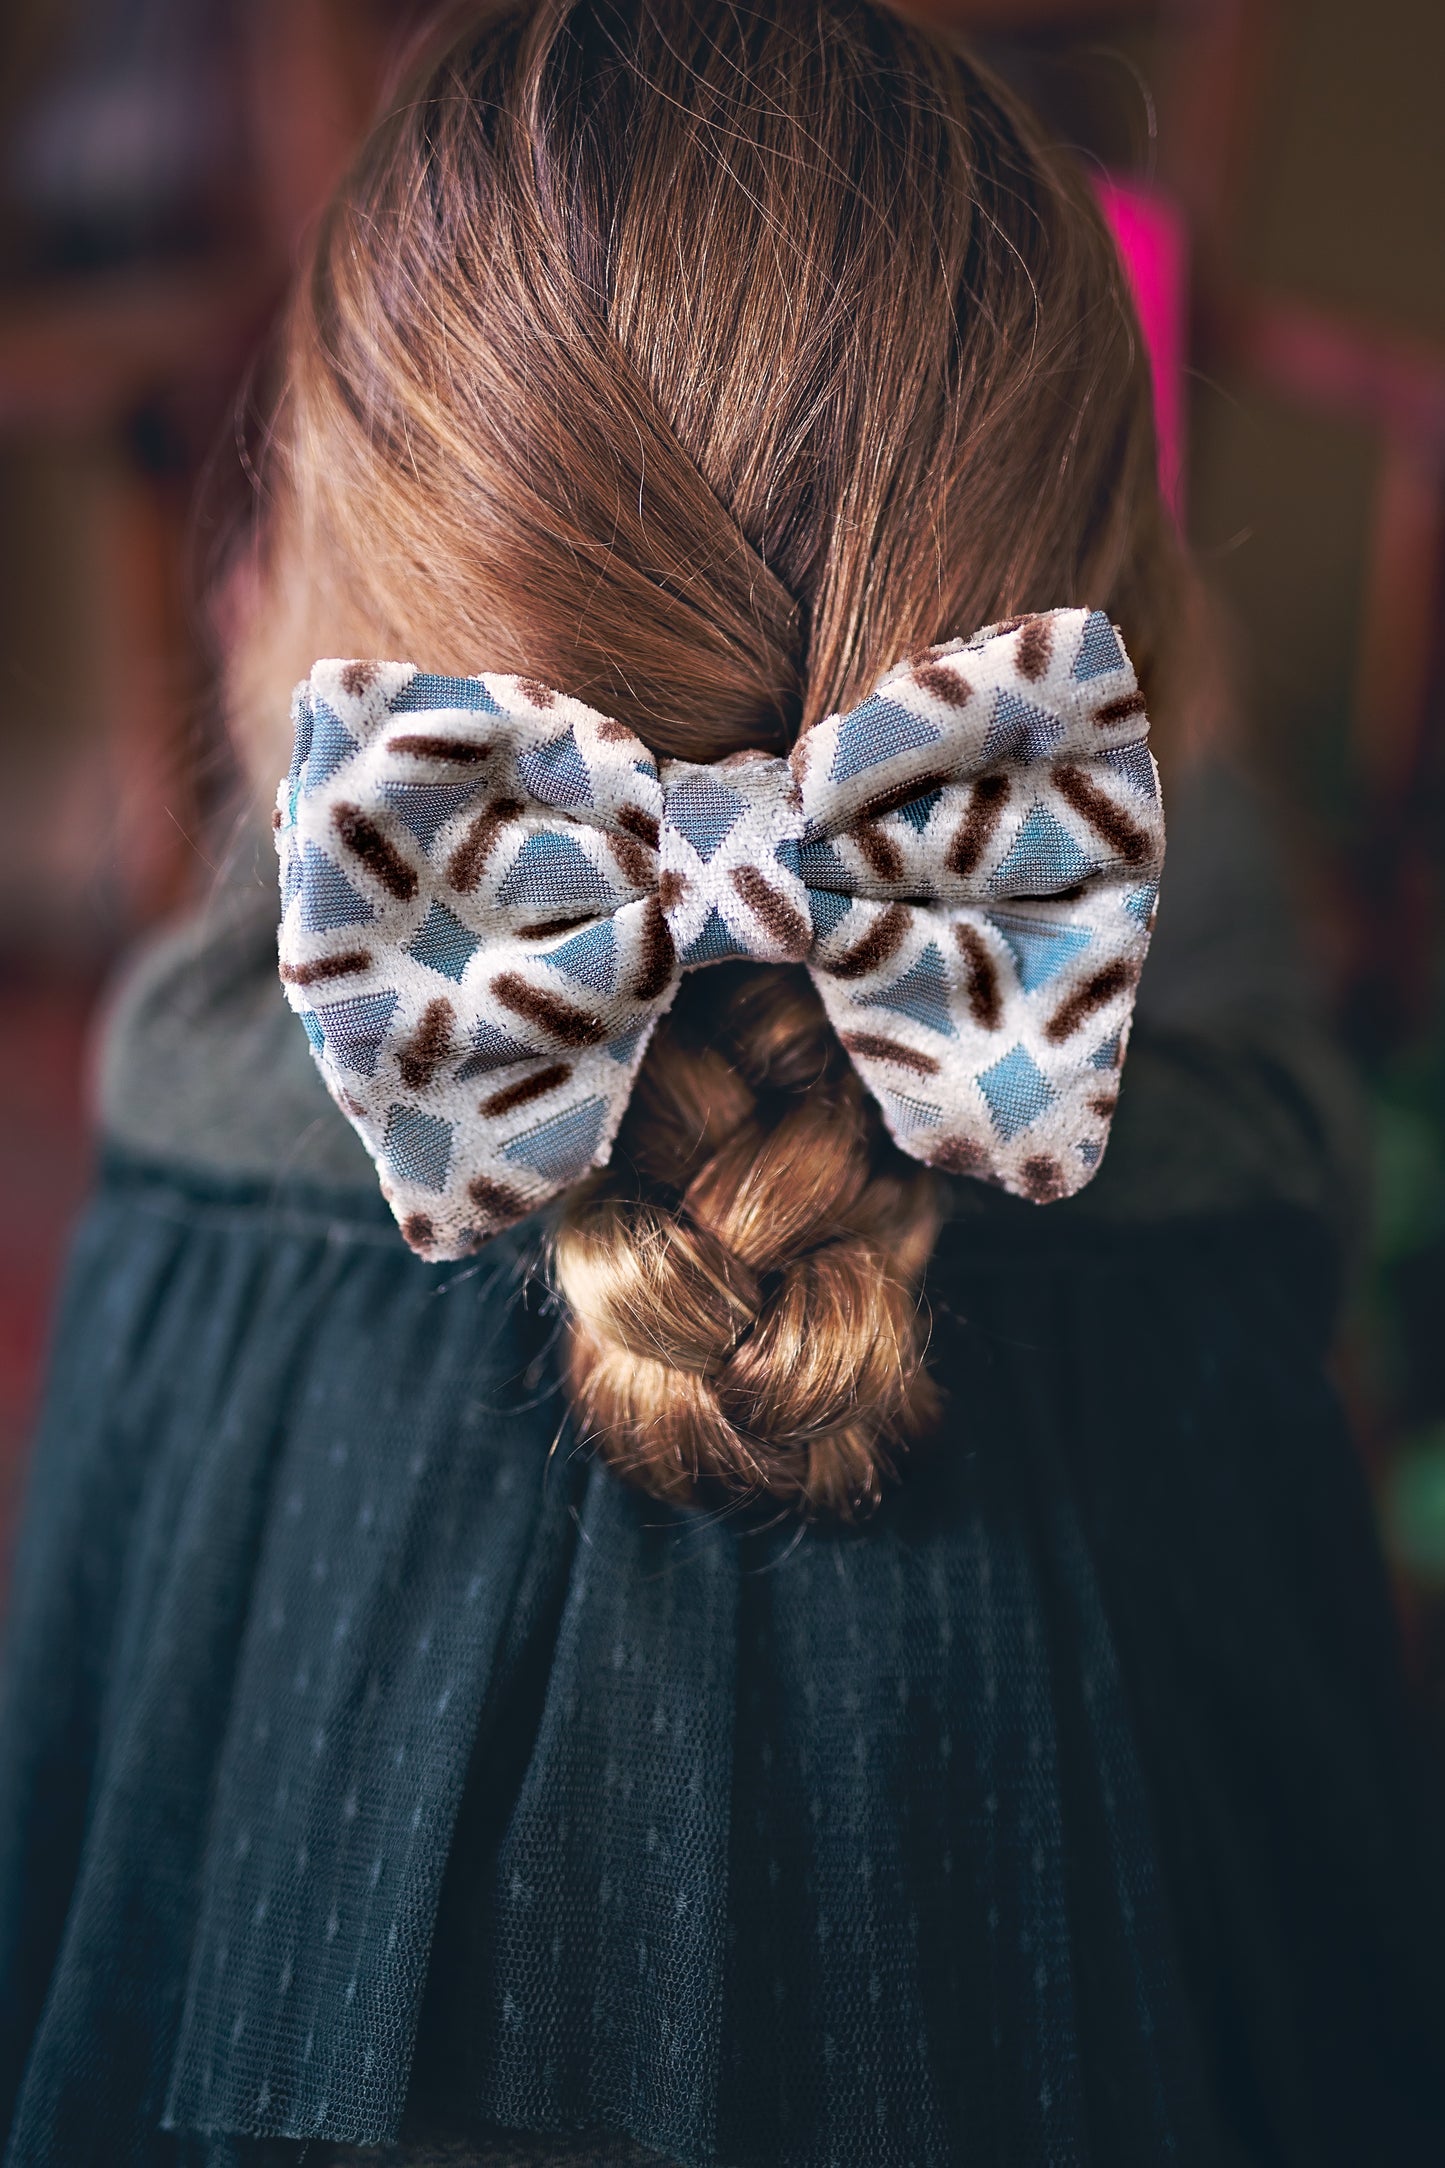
483	1085
991	1039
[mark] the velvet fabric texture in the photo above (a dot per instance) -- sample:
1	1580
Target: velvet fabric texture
490	893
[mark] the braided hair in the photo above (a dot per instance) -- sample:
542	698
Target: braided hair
705	361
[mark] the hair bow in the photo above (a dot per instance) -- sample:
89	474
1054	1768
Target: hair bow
490	893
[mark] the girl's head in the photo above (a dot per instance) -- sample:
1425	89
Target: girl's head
703	360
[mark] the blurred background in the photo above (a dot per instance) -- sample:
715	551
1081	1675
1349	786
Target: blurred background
1276	171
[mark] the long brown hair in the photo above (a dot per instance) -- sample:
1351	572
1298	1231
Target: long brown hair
702	360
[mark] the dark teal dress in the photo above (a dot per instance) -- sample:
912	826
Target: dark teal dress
373	1764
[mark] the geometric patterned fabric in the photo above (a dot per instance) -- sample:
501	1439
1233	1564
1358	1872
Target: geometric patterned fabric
490	893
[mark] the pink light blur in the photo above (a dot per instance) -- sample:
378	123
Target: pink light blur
1154	244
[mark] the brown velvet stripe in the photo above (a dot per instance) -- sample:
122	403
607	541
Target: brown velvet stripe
885	860
572	1026
1034	648
468	861
425	747
984	998
1104	815
958	1155
871	1046
633	862
889	801
944	682
985	811
1119	711
498	1205
339	966
1094	994
420	1056
788	927
883	939
1043	1180
640	823
658	955
548	926
365	841
527	1088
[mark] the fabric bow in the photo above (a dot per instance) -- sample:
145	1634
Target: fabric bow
490	893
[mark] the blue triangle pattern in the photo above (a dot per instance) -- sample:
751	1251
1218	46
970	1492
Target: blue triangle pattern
919	811
418	1147
327	897
427	692
1090	1152
443	943
821	866
789	854
922	993
911	1115
1140	902
590	957
493	1048
624	1046
1099	650
1017	1091
556	774
424	808
561	1148
714	944
311	1025
332	745
1107	1055
1132	762
1040	952
301	741
290	871
705	811
354	1030
826	910
1043	858
1019	730
552	873
877	730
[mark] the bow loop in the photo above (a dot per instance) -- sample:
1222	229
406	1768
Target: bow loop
959	760
490	893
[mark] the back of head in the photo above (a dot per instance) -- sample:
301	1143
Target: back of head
704	362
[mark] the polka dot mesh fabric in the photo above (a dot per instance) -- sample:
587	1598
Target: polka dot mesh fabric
368	1769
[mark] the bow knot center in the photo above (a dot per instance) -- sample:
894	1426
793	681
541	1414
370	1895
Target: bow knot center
729	873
